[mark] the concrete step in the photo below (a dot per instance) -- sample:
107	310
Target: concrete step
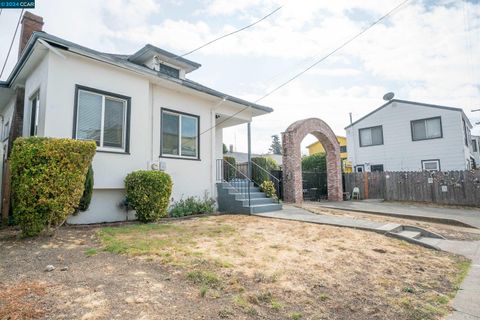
410	234
265	207
253	195
258	201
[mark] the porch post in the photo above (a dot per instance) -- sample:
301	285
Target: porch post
249	160
249	134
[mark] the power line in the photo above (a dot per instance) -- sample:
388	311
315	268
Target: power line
231	33
391	12
11	44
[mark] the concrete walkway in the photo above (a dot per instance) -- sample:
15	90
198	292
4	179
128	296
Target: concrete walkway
467	301
466	217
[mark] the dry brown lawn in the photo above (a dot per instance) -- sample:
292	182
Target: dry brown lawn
229	267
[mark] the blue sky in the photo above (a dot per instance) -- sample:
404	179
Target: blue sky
429	51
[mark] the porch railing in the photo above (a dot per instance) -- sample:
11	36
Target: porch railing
239	172
235	178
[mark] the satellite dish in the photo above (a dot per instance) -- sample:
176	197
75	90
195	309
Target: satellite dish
388	96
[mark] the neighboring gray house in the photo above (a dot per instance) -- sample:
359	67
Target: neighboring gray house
411	136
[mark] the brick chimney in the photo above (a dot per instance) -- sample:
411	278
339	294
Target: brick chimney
30	24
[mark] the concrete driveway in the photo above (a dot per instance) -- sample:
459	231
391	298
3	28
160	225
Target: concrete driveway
469	217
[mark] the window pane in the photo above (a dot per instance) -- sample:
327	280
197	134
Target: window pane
419	130
89	116
434	129
365	137
170	132
377	136
113	123
189	136
430	165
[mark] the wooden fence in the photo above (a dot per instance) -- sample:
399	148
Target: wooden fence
451	187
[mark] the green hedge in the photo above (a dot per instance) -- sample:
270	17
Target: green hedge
259	175
148	193
87	192
48	177
229	168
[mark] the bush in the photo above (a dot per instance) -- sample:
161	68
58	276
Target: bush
191	206
229	168
148	192
48	177
87	191
259	163
269	188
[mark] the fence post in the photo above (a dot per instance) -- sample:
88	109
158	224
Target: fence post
365	184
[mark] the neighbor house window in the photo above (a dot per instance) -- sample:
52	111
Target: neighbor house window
103	118
376	168
424	129
343	149
466	132
431	165
34	110
371	136
179	134
474	145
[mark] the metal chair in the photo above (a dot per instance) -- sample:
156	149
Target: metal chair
356	193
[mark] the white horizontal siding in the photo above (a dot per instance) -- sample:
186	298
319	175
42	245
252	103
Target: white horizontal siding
399	152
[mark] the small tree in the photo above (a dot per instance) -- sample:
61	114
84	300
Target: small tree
276	146
225	149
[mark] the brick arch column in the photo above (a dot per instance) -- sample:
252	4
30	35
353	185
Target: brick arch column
292	161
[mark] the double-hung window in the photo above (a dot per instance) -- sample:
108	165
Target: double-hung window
34	111
179	135
424	129
372	136
103	118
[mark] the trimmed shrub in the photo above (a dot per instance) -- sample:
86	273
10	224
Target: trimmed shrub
259	175
269	188
191	206
229	168
148	192
48	177
87	191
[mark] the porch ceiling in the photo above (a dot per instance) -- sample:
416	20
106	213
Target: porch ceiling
225	121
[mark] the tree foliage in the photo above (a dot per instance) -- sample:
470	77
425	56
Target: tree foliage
276	146
315	162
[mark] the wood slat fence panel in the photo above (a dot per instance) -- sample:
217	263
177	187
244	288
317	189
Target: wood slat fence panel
450	187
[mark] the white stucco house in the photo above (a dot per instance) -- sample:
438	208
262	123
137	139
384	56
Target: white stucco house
411	136
141	109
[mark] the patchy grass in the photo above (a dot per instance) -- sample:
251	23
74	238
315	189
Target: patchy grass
21	301
283	269
91	252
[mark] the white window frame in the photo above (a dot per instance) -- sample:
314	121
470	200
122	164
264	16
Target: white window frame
101	147
437	161
180	115
35	96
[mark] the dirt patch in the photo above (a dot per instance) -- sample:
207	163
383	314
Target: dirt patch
230	267
448	231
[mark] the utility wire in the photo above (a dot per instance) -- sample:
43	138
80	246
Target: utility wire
389	13
231	33
11	44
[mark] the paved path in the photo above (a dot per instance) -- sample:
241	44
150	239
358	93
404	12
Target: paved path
468	217
467	301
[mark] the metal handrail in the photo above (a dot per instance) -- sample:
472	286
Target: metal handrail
271	175
249	181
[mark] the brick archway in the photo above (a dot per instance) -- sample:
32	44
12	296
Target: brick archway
292	164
